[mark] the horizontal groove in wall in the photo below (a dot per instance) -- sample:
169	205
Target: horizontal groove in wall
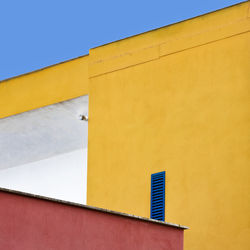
169	46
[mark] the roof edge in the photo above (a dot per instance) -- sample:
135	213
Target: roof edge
6	190
46	67
162	27
165	26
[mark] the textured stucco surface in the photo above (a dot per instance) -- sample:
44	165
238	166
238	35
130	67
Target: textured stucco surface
176	99
29	223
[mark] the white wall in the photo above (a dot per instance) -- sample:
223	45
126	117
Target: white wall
63	176
44	151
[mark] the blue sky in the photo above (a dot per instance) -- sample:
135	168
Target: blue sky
38	33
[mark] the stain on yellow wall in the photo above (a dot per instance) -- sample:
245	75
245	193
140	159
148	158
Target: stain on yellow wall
176	99
44	87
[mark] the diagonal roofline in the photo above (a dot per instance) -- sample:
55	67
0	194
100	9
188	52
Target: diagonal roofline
46	67
162	27
92	208
165	26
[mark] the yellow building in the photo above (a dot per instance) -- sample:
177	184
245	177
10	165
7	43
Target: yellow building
175	99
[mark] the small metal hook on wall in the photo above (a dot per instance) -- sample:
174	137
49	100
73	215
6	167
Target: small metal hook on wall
84	117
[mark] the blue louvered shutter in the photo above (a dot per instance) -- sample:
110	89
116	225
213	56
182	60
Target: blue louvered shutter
158	196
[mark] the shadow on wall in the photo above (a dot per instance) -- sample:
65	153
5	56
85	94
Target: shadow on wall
44	151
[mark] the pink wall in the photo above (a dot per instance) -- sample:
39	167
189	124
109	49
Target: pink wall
28	223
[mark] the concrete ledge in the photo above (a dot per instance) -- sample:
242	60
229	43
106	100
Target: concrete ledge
92	208
33	222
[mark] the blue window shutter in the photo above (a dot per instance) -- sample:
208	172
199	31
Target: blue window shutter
158	196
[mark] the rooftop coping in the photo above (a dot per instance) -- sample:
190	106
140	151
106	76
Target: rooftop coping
171	24
92	208
43	68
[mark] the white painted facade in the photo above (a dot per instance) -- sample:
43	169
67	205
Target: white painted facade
44	151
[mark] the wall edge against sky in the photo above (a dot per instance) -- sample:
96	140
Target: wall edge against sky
92	48
170	39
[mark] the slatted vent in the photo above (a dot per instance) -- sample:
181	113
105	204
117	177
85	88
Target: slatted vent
158	196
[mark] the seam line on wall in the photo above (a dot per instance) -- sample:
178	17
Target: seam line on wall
185	36
248	12
169	54
217	40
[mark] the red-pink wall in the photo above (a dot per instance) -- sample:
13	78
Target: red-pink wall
28	223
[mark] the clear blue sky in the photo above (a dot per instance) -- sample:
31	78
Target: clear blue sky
39	33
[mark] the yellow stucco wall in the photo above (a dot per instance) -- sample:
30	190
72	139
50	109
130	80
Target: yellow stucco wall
44	87
176	99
